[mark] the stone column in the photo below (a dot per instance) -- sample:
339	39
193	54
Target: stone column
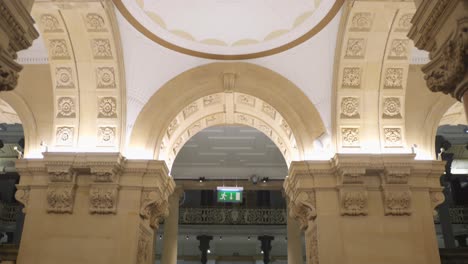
17	33
294	242
171	230
441	28
86	208
367	208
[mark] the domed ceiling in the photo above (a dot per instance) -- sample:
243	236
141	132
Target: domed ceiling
229	29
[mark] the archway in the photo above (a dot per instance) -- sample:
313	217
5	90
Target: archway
226	93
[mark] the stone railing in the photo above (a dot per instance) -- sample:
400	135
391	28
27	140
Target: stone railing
9	212
459	215
232	216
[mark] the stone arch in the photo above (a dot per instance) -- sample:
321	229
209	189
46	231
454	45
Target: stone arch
28	121
226	93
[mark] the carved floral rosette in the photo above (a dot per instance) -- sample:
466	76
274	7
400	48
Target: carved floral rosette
397	201
154	207
353	201
60	197
103	198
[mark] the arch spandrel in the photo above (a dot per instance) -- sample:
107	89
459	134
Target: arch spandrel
229	79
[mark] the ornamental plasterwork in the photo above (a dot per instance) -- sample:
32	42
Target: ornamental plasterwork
103	199
190	109
105	77
285	126
404	23
64	136
350	136
95	23
144	249
246	100
397	175
303	209
353	202
351	77
397	202
391	107
212	99
177	145
195	128
437	198
107	135
22	196
65	174
215	119
399	49
393	78
393	137
58	49
269	110
172	127
350	107
355	48
361	21
64	77
107	107
66	107
50	24
60	198
351	175
267	130
153	208
101	48
244	119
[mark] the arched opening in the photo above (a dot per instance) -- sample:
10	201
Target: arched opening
229	156
451	145
12	145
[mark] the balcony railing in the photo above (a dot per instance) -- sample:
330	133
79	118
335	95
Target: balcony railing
458	215
9	212
232	216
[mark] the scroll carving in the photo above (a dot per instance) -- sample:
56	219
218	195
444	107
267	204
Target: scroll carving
437	198
22	196
153	208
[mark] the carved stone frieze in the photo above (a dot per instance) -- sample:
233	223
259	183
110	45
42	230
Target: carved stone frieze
351	175
350	107
355	48
64	136
103	199
172	127
60	198
95	23
244	119
61	174
154	208
391	108
350	136
106	173
212	99
397	202
404	23
396	175
195	128
399	49
351	77
50	24
269	110
393	78
246	100
58	49
66	107
190	110
64	77
106	135
215	119
353	201
393	137
101	48
105	77
107	107
361	21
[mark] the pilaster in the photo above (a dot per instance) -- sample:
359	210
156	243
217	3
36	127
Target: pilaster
91	208
366	208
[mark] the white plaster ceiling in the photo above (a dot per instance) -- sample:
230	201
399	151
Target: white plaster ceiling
227	26
229	152
149	66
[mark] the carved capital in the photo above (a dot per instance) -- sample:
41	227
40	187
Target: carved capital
447	72
61	174
8	78
154	208
60	198
105	174
103	199
303	209
22	196
353	201
397	202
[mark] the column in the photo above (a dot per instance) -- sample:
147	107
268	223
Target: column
294	242
87	208
367	208
171	230
439	27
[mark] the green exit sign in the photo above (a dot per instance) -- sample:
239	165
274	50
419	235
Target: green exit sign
230	194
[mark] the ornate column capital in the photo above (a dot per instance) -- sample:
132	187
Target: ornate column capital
441	27
302	209
17	33
154	207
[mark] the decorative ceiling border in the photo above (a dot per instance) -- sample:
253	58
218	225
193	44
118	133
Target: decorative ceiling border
150	35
